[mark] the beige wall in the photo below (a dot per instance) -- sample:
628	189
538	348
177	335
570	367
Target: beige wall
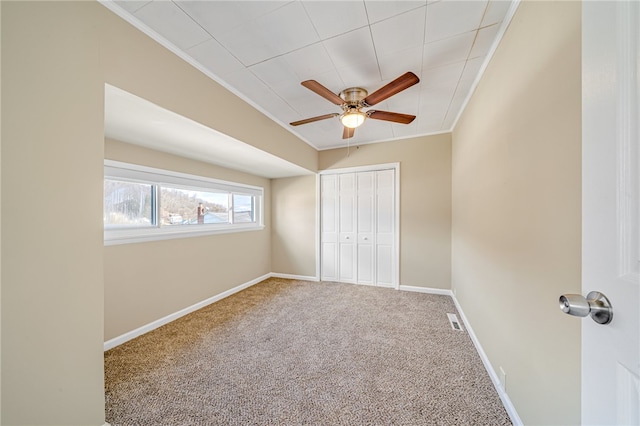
425	202
517	209
293	235
52	291
57	57
147	281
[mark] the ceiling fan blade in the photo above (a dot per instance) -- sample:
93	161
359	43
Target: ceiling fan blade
312	119
401	83
396	117
318	88
347	132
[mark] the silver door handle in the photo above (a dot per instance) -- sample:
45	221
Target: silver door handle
595	304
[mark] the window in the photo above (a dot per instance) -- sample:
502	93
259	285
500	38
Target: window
146	204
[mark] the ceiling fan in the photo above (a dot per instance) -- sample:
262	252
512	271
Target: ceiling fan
354	99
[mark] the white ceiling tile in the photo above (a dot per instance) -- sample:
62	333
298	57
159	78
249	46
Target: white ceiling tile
324	133
471	69
309	61
431	124
401	32
447	18
219	17
448	50
215	58
431	116
362	74
404	130
351	49
405	102
374	130
131	5
341	17
283	30
484	41
446	76
274	72
496	11
396	64
279	109
171	22
248	84
454	110
378	10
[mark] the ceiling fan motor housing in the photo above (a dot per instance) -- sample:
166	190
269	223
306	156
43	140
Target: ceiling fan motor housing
354	96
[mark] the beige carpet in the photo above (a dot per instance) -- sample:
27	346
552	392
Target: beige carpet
287	352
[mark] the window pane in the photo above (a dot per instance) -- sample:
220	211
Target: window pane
243	209
127	203
186	207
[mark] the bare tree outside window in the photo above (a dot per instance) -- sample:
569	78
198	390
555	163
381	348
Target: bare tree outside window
127	203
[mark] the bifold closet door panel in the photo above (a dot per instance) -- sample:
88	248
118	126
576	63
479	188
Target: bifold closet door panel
358	227
329	227
385	227
347	255
365	226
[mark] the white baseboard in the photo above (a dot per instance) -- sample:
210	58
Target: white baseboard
506	401
109	344
428	290
294	277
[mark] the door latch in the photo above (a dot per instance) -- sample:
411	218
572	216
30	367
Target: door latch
595	304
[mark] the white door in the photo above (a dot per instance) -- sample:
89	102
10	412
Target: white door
347	254
359	227
365	224
329	227
385	228
611	241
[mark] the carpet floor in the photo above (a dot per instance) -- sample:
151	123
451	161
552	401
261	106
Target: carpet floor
288	352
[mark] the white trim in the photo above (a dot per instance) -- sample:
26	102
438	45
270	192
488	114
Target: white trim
294	277
506	401
141	235
370	168
428	290
112	343
119	169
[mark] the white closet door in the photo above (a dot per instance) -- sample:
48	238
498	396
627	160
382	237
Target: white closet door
358	227
365	226
347	256
385	227
329	231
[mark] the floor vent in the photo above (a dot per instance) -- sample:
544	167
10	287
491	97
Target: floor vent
455	324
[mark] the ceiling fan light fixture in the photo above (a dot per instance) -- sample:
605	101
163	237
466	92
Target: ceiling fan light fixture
352	119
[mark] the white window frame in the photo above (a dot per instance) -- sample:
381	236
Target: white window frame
158	177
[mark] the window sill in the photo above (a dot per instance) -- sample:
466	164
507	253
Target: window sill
115	237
